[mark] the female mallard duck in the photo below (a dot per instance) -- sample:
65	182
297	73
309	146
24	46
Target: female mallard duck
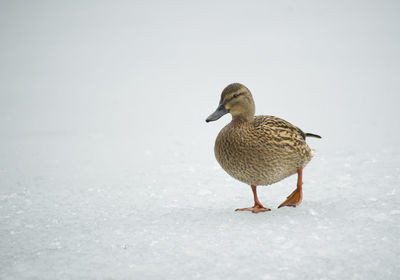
259	150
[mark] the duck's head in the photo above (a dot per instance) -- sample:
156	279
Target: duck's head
237	100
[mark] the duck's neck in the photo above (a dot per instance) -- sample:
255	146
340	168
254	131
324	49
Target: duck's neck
243	115
243	118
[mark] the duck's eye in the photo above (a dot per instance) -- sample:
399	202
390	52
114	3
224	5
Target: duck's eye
236	95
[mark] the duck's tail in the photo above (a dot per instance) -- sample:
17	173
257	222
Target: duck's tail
313	135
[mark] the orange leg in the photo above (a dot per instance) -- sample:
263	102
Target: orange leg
295	198
258	207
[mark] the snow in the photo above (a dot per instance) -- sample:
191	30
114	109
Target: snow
168	223
106	163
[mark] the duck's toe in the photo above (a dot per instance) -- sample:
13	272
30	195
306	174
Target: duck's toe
254	209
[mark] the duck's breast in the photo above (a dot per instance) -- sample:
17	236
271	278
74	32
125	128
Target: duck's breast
260	154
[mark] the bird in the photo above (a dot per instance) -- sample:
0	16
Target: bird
259	150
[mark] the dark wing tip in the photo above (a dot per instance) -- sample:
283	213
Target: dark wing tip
313	135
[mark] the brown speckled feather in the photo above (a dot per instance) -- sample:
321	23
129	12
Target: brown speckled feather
262	151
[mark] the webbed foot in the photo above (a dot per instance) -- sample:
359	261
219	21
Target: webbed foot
294	199
255	209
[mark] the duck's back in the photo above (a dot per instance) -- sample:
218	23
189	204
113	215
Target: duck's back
263	151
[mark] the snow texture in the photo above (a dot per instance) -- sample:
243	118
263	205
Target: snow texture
106	163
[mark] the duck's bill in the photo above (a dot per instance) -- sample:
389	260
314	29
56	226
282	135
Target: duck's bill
217	114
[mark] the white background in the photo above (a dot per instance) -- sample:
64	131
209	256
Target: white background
106	163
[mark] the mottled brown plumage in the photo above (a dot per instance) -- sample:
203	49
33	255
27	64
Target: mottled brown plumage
258	150
261	152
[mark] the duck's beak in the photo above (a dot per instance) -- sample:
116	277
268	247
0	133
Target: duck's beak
221	110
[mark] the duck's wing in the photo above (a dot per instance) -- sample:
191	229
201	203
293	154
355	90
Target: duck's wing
275	123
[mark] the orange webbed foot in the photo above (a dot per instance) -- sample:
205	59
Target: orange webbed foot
294	199
255	209
258	207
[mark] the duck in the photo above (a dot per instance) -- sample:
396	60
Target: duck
259	150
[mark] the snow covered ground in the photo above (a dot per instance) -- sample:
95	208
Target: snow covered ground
106	163
81	211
